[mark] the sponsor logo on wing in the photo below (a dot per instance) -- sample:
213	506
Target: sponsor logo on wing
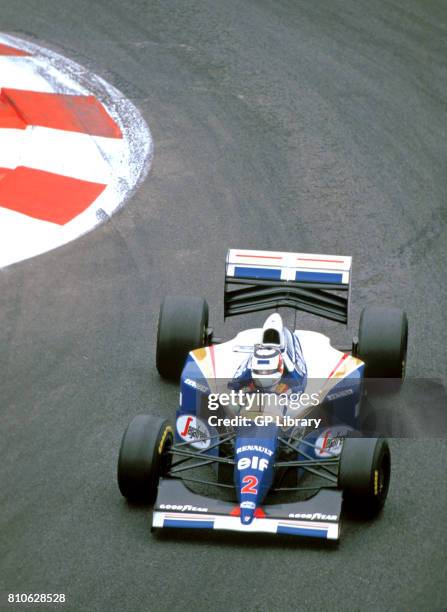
182	508
316	516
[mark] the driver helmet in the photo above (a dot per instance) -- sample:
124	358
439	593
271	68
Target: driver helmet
267	366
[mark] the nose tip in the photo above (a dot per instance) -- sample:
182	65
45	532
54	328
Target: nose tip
247	515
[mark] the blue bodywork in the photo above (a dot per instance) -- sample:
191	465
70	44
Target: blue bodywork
255	447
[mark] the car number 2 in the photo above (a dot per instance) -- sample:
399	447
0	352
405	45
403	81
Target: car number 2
251	485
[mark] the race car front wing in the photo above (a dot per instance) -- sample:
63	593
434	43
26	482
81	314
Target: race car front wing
178	507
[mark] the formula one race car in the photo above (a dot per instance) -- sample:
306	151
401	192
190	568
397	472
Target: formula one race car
269	420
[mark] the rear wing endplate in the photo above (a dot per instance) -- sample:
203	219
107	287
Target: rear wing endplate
264	280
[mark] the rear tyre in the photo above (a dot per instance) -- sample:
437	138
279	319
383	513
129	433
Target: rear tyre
382	342
364	474
143	457
182	327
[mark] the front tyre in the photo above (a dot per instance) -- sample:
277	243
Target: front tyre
364	474
144	457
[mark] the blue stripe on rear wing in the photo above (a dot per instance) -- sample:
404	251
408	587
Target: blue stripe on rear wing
267	273
264	280
319	277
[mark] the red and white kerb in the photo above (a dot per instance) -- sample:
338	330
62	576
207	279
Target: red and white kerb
72	149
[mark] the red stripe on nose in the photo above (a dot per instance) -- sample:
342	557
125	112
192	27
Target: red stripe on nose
73	113
47	196
7	50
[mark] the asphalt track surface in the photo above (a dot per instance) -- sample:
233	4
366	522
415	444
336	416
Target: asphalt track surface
287	125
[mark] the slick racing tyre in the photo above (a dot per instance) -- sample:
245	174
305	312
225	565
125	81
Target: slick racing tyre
382	342
182	327
143	457
364	474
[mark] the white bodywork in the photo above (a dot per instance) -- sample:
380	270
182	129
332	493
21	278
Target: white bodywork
325	364
319	355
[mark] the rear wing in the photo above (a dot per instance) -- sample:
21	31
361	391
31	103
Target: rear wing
264	280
